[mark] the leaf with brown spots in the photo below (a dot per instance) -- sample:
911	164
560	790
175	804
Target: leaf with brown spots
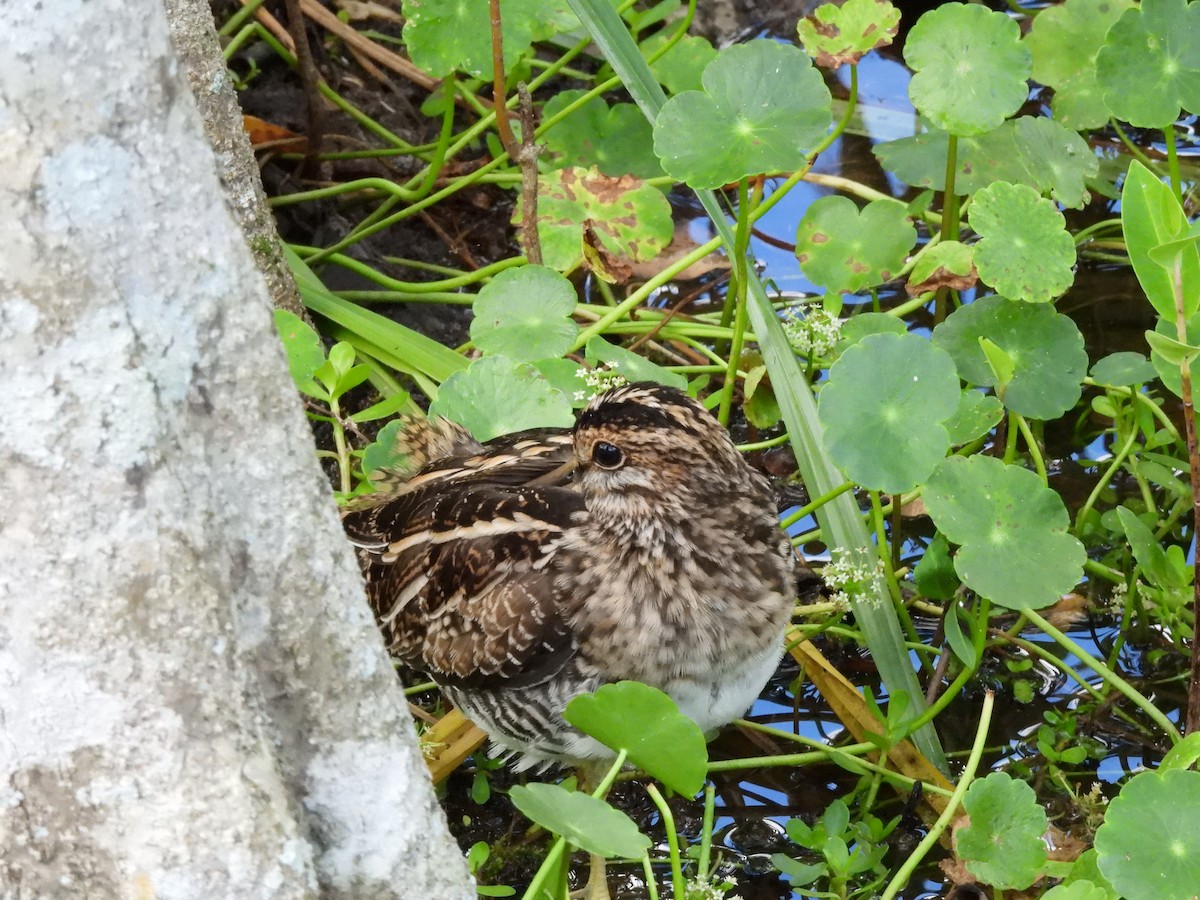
606	266
583	214
842	248
835	35
617	139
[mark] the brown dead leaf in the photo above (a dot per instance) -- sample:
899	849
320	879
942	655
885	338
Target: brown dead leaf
955	871
953	867
264	135
1064	847
1070	610
914	507
942	277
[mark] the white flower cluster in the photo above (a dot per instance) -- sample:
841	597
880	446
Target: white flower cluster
811	330
1116	600
599	380
703	889
851	573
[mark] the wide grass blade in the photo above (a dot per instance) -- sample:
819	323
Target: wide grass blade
408	350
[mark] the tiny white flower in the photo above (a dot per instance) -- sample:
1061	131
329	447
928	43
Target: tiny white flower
811	330
851	574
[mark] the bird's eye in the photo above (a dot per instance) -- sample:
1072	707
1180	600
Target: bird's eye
607	456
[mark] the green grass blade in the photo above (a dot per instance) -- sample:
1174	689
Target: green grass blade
410	351
840	518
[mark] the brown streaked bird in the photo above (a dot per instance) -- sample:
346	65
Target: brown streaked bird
522	572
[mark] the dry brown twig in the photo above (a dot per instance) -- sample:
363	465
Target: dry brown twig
310	80
526	158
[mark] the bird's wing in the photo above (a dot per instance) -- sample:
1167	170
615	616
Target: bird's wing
439	454
461	577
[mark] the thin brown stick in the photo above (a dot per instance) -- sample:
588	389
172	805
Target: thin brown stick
453	244
527	157
309	81
385	57
671	313
778	243
1192	721
273	25
370	68
498	102
1192	718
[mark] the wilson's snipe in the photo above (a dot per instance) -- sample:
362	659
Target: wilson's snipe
520	573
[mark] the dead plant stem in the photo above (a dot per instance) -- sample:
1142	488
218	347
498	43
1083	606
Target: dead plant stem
500	104
310	80
1192	719
527	157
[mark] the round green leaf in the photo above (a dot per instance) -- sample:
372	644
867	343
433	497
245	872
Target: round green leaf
680	68
977	414
496	396
1024	251
762	109
894	391
846	249
857	327
627	217
970	67
1123	368
569	377
1086	870
645	722
525	314
834	34
616	140
1183	755
1064	41
1031	150
444	37
582	819
1149	65
1045	347
1077	890
1003	844
1013	531
1149	844
1053	159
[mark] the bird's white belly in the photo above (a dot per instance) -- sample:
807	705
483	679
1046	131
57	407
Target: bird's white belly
711	703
